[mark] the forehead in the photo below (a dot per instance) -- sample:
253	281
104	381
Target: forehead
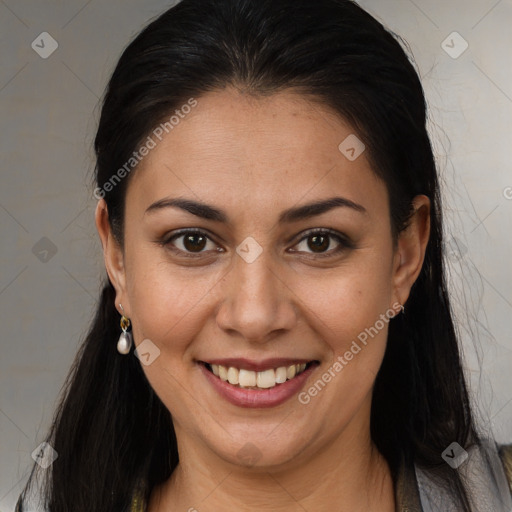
231	145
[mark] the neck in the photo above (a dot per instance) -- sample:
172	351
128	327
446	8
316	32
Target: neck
347	474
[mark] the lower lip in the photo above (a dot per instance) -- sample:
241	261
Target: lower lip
253	398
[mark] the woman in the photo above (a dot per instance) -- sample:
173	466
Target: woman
275	332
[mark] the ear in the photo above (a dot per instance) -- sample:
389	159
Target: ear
113	257
411	247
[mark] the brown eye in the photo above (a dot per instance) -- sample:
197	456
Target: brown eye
189	243
318	242
194	242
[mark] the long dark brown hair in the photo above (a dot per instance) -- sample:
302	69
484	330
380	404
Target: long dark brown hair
110	430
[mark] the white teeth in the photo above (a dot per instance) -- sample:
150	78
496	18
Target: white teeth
281	375
264	380
223	372
233	376
246	378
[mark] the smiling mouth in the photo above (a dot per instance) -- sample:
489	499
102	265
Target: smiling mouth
248	379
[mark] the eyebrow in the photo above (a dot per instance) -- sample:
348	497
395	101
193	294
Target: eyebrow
209	212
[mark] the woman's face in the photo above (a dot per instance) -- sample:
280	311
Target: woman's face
259	289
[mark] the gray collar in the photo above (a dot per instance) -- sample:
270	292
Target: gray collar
484	474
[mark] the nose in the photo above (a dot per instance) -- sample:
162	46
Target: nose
257	304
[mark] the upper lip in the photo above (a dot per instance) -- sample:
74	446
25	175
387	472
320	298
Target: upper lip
257	366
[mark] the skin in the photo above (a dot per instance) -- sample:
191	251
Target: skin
253	158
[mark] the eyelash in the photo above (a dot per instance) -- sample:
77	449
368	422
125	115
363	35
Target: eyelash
344	243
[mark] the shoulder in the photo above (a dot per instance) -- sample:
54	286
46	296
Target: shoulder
137	505
505	453
485	469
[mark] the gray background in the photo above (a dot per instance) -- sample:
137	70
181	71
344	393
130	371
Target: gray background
49	287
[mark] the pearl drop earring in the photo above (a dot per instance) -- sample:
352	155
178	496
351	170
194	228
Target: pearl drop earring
124	343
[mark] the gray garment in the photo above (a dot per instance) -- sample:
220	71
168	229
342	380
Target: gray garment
416	490
484	475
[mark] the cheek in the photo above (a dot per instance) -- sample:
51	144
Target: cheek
166	304
167	301
350	299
